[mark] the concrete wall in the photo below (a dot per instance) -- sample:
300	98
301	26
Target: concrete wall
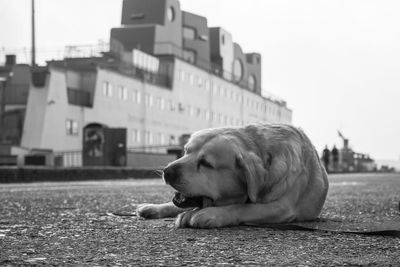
200	44
136	12
170	34
35	114
148	160
148	27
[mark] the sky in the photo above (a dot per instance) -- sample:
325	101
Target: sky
336	63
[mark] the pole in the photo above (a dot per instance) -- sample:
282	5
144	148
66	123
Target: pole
3	82
33	63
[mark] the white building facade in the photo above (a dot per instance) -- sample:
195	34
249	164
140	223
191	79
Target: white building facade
153	115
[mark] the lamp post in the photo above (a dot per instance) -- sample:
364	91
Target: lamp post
33	63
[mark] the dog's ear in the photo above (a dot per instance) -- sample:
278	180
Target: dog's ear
254	173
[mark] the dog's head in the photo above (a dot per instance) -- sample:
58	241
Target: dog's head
217	169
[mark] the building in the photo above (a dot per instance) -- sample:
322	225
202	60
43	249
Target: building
166	74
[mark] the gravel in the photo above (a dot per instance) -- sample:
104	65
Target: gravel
93	223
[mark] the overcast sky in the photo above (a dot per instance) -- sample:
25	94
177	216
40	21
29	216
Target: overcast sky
336	63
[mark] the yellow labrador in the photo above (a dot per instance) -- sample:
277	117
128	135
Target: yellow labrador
256	175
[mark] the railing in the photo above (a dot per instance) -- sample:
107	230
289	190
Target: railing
71	158
154	149
54	53
149	77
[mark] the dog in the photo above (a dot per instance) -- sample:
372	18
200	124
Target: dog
252	175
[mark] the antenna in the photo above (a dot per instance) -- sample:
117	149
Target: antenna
33	63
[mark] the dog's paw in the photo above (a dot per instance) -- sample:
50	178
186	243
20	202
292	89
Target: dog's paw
183	219
149	211
207	218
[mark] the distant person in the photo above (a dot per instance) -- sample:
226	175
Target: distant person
335	158
325	157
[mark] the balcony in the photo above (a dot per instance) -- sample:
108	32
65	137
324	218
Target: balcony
79	97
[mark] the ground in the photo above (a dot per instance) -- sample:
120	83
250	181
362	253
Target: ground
91	223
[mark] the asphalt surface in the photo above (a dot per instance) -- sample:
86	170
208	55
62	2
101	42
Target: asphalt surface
91	223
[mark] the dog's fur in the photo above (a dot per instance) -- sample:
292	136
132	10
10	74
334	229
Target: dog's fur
255	175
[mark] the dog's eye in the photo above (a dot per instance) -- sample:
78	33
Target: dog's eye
205	163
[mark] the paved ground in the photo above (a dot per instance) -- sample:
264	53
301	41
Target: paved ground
73	224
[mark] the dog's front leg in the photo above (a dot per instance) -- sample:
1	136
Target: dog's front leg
232	215
157	211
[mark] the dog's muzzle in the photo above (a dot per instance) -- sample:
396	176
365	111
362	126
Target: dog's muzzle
171	176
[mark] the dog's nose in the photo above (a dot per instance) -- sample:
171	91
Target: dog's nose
170	174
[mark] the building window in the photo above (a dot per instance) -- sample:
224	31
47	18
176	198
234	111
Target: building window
252	83
189	33
171	14
107	89
162	139
215	117
207	115
181	107
198	112
207	85
144	61
182	75
190	110
122	93
149	138
136	96
191	78
238	99
162	103
148	98
171	105
135	136
71	127
199	82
